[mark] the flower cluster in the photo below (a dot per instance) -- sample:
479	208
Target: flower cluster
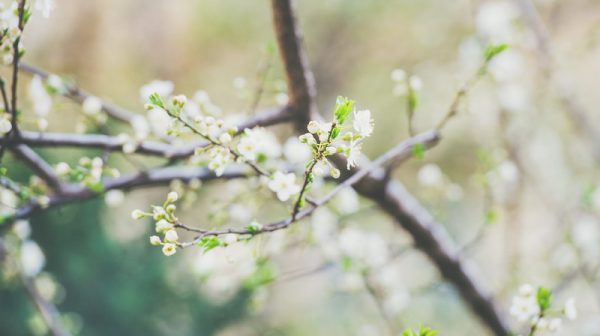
88	172
326	138
534	306
10	31
165	221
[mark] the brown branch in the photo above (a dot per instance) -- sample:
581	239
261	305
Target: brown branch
39	166
79	95
154	148
428	235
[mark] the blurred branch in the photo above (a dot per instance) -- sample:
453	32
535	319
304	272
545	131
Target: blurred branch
428	235
155	148
48	311
39	166
545	52
79	95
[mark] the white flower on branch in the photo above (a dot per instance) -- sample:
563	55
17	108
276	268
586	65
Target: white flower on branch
525	306
363	124
32	258
114	197
44	6
171	236
169	249
92	105
570	309
155	240
258	141
5	124
41	100
284	185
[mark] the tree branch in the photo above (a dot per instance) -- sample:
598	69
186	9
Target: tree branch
428	235
39	166
154	148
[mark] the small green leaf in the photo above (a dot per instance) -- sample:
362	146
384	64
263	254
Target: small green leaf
156	99
544	298
418	150
413	100
209	243
491	216
494	50
343	108
254	227
335	132
261	157
3	171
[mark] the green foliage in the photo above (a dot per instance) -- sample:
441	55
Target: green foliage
343	108
494	50
418	150
107	285
254	227
209	243
264	274
423	331
544	298
157	100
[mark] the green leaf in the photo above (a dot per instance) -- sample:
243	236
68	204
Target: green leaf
3	171
254	227
544	298
418	150
343	108
335	132
156	99
494	50
209	243
491	216
413	100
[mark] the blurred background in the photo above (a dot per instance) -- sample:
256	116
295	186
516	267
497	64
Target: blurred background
514	180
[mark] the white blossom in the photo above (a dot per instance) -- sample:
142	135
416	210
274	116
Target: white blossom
5	124
284	185
32	258
570	309
525	306
171	236
296	152
172	197
169	249
398	75
41	100
363	124
163	226
44	6
155	240
92	105
137	214
114	197
430	175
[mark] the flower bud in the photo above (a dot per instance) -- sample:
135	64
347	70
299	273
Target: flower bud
172	197
171	236
163	226
62	168
137	214
225	138
155	240
334	172
313	126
